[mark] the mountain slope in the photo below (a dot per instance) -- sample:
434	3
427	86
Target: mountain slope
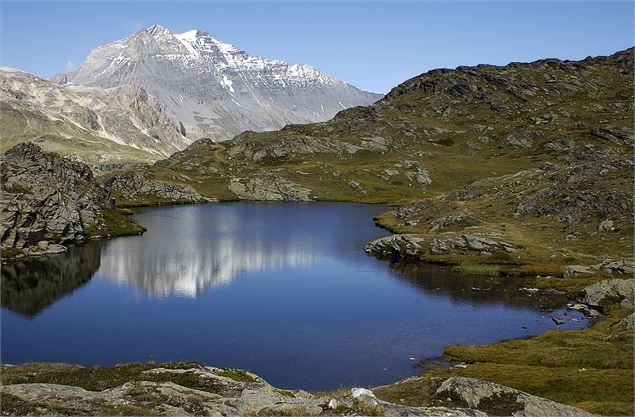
97	126
212	89
535	155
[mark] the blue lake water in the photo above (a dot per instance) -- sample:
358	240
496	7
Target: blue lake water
284	290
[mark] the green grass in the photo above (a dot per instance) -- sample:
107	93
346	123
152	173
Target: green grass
473	268
117	223
591	368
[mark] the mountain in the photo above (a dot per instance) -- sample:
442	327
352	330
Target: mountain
94	125
212	89
530	162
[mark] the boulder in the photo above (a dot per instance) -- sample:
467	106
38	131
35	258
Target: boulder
622	267
609	291
396	246
578	270
496	399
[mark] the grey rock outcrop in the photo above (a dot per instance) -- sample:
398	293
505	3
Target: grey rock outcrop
578	270
140	186
47	200
608	266
398	245
481	394
610	291
268	188
417	246
209	391
452	220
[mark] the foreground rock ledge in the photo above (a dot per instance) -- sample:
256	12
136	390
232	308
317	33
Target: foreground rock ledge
193	389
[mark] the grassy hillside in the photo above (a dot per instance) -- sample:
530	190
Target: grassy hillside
538	154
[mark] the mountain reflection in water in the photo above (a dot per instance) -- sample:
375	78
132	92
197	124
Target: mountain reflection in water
30	285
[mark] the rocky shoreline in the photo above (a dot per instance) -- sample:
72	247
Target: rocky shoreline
193	389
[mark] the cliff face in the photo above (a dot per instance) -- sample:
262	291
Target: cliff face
49	201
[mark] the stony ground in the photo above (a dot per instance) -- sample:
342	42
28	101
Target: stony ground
193	389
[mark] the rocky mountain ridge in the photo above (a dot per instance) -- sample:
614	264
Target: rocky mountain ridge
97	126
210	88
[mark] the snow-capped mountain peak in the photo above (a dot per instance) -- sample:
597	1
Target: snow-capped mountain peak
211	88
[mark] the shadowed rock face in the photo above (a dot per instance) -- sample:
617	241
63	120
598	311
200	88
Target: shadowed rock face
48	200
46	197
30	285
212	89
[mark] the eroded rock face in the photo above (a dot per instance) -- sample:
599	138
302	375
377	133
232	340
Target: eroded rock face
488	397
47	200
268	188
139	185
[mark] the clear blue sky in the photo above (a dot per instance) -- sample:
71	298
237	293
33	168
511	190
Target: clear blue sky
374	45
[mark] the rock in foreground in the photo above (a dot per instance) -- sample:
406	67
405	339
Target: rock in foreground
193	389
502	400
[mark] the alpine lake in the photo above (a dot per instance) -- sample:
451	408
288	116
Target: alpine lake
283	290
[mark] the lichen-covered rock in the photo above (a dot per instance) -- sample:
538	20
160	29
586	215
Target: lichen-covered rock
418	246
578	270
453	220
498	399
622	267
398	245
609	291
140	186
268	188
207	391
47	200
628	322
